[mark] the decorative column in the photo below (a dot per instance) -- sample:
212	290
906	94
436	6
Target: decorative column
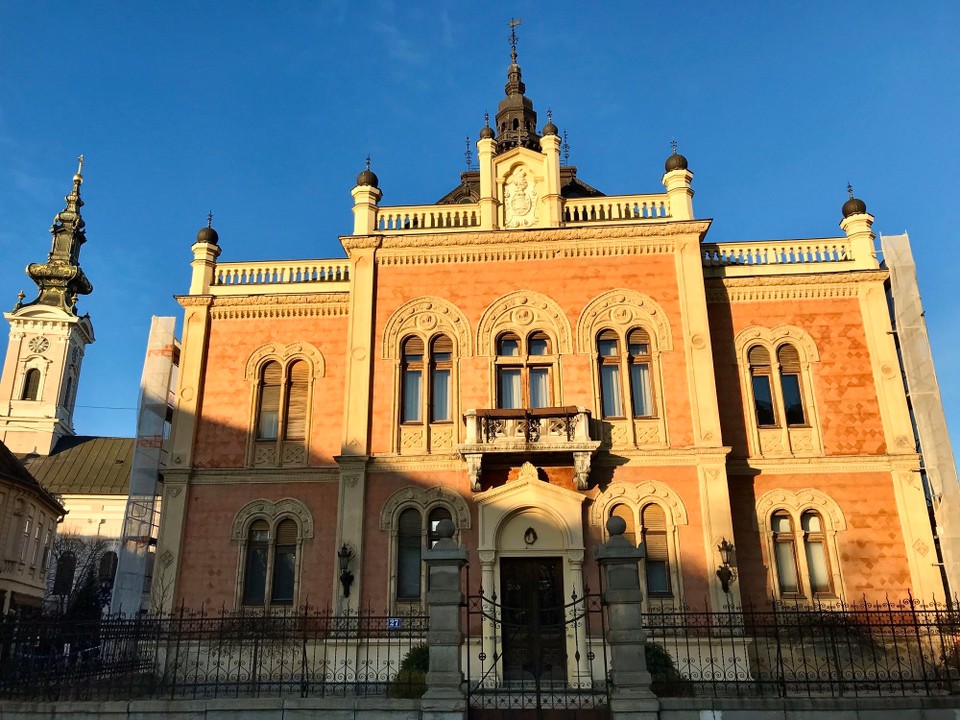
445	699
486	147
489	630
578	664
630	694
550	147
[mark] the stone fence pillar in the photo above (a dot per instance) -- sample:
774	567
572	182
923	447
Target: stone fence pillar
445	699
630	694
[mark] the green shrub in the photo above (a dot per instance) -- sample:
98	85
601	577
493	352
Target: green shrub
411	678
667	681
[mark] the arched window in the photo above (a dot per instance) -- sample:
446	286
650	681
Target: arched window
67	393
31	385
441	363
638	347
611	391
108	568
412	388
759	359
815	552
268	414
66	569
789	360
657	562
270	568
409	529
525	371
785	553
282	422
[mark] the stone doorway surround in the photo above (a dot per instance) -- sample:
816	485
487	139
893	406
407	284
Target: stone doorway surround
528	517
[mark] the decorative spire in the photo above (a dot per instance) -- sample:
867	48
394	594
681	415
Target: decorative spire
850	190
516	119
566	149
210	219
468	154
673	144
60	279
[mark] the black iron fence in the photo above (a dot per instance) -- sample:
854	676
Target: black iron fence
303	652
789	649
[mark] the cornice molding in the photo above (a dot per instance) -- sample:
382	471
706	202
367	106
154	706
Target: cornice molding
661	457
248	476
360	242
194	300
823	464
815	286
415	463
247	307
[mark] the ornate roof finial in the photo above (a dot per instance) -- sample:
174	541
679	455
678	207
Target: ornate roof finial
513	38
566	149
368	161
20	296
673	144
486	119
549	115
850	189
468	154
60	279
210	219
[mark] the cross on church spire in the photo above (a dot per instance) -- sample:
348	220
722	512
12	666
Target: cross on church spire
513	24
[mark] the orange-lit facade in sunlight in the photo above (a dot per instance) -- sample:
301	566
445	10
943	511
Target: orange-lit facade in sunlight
528	357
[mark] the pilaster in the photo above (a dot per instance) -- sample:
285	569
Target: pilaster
925	580
350	521
552	201
486	147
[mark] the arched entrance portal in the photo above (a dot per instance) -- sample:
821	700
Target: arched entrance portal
531	553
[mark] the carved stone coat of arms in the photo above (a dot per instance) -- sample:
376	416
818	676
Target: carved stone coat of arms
519	201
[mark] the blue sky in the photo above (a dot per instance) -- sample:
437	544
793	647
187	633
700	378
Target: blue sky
263	113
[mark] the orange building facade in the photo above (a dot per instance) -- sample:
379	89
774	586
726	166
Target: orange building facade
528	357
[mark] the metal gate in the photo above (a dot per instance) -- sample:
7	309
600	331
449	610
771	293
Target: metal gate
532	652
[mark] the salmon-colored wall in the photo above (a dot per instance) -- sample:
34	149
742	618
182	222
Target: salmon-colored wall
209	564
871	549
225	418
473	287
843	386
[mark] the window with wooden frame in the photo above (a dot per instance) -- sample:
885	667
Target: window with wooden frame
639	357
789	360
525	371
815	552
785	554
31	385
270	563
636	365
759	360
426	380
657	562
412	536
282	411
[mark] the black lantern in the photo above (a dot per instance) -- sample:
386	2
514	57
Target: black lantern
344	556
724	572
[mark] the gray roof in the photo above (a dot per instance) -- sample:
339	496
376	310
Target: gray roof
84	466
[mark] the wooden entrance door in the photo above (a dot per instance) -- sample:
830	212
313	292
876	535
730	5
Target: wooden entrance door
533	627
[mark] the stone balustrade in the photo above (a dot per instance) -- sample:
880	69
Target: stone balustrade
410	218
781	257
280	276
616	208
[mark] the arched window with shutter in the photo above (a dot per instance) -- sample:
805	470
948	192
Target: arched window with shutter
815	552
268	409
411	394
759	359
284	395
657	561
297	401
284	563
258	556
31	385
524	368
789	360
785	553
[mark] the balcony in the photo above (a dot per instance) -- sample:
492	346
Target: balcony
529	431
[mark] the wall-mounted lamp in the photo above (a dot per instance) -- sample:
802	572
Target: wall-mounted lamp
724	572
344	556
